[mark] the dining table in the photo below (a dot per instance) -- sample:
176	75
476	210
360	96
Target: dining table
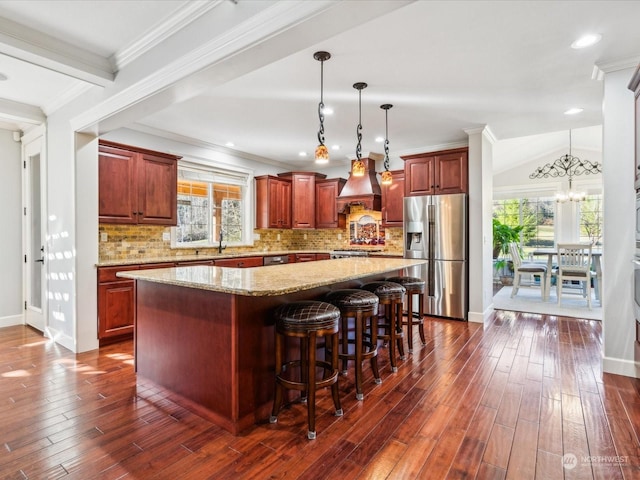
550	253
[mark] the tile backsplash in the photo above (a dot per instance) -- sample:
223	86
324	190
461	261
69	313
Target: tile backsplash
127	242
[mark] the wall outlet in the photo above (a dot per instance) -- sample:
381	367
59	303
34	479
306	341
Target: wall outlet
305	236
104	237
339	236
278	237
166	236
256	236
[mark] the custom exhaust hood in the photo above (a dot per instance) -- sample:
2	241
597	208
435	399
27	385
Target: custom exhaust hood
363	190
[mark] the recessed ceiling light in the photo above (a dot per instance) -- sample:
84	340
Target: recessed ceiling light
230	144
379	139
327	110
587	40
3	77
573	111
335	147
302	154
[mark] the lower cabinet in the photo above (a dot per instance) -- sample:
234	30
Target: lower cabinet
244	262
116	296
305	257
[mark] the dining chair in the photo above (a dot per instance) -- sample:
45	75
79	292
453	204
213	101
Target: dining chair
574	263
520	267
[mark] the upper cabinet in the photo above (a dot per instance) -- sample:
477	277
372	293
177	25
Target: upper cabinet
436	173
136	186
327	192
303	195
273	202
393	200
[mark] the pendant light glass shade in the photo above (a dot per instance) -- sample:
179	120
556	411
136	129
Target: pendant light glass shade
357	167
386	177
322	153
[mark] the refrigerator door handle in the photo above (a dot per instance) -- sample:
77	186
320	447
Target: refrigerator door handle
431	226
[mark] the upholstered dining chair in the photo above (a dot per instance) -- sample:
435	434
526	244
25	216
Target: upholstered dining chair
574	263
520	267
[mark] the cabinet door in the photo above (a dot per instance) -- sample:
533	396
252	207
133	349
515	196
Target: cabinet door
303	201
393	200
305	257
116	314
419	176
244	262
451	173
116	185
157	190
284	204
327	192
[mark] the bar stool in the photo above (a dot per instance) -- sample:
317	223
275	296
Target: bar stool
306	320
414	286
359	305
391	295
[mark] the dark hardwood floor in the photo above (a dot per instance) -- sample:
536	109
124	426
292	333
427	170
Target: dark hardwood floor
504	400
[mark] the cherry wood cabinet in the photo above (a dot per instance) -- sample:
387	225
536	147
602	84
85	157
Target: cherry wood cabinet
436	173
116	314
393	200
303	198
243	262
327	191
273	202
136	186
306	257
323	256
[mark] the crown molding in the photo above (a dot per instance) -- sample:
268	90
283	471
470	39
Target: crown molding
432	148
162	31
73	92
21	112
602	68
24	43
263	25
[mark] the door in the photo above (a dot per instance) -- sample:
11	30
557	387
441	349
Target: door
35	286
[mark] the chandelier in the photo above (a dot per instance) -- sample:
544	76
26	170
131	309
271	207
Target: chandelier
386	176
322	153
567	166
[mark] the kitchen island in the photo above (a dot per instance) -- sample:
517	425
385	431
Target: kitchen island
206	333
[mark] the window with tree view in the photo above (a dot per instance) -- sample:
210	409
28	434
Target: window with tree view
536	215
591	220
208	204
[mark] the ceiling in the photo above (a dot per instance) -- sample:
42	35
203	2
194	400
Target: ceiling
446	66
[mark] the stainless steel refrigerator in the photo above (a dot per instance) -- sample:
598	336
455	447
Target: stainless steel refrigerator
435	228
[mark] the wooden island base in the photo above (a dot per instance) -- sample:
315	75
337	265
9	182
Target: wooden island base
214	350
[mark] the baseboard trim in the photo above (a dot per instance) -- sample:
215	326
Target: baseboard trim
11	320
618	366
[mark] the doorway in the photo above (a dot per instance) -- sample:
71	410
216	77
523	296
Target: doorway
34	208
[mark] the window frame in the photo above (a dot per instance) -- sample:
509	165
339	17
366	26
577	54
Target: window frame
206	172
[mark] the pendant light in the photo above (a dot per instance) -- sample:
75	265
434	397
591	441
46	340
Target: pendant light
357	169
322	153
386	177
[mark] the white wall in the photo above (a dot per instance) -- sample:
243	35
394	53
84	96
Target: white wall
11	310
621	353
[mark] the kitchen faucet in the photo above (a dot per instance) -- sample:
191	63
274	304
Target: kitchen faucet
220	237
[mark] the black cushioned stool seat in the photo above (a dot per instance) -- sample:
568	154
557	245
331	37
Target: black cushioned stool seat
391	296
362	306
414	286
306	320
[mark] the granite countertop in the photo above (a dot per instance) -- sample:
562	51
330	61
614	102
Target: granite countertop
191	258
272	280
